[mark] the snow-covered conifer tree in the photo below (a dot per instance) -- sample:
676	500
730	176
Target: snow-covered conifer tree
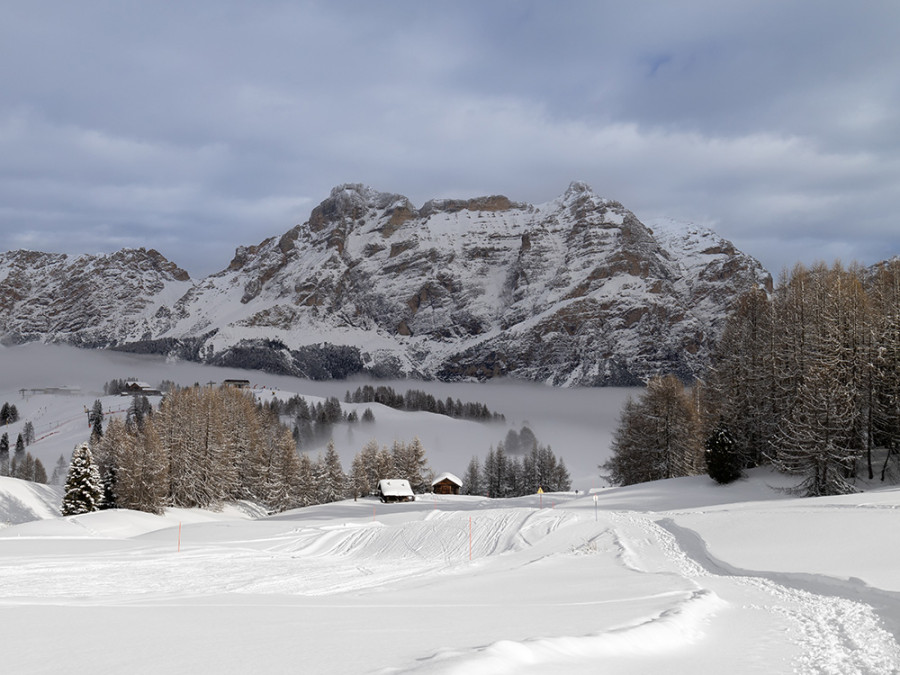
333	486
723	461
83	492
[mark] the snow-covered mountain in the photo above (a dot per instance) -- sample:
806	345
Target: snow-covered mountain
574	291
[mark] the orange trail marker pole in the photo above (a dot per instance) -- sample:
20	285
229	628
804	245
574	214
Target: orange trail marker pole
179	536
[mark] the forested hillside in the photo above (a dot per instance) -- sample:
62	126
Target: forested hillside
807	379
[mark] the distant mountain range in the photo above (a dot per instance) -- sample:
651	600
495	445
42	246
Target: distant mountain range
576	291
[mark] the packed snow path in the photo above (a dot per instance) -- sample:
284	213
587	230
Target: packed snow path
442	586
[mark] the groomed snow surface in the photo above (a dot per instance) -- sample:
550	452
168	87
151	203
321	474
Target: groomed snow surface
678	576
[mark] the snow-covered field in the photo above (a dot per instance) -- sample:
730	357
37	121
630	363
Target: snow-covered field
679	576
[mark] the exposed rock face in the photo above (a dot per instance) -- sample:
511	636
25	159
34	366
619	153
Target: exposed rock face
573	292
88	300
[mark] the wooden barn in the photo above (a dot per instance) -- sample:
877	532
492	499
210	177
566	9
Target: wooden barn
395	490
446	484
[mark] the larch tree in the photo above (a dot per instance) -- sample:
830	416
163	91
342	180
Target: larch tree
821	435
740	385
657	437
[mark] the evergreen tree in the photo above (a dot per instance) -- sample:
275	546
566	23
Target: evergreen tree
562	480
284	475
108	452
4	455
96	429
358	476
723	462
26	467
410	464
21	469
332	475
59	471
28	433
490	472
40	473
83	492
473	479
306	486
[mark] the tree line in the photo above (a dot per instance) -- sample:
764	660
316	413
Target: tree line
417	400
313	423
206	446
806	380
202	447
22	464
518	466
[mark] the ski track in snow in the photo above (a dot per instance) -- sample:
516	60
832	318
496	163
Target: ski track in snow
304	560
835	635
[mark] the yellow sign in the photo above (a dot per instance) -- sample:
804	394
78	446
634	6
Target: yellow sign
540	490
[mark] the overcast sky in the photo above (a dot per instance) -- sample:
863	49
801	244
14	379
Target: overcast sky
196	127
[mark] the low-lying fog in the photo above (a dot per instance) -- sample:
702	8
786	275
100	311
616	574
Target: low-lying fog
576	423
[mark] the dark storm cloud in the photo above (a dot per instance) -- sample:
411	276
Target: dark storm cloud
198	127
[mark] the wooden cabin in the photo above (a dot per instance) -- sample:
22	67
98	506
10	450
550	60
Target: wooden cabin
395	490
446	484
136	388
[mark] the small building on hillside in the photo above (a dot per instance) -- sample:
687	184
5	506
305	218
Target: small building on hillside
136	388
237	384
446	484
395	490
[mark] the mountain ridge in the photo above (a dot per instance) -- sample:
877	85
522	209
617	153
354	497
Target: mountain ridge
575	291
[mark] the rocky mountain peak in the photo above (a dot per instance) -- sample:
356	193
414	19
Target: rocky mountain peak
576	291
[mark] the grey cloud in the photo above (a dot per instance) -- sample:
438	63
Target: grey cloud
198	127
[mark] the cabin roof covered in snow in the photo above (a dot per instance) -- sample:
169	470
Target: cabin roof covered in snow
395	487
447	476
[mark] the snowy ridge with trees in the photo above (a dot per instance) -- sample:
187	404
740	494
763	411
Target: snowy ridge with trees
807	380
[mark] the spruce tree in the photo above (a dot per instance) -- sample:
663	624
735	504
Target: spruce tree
59	471
472	482
83	492
723	461
334	480
21	469
40	473
4	454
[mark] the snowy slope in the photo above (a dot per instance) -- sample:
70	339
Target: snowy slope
681	576
464	585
